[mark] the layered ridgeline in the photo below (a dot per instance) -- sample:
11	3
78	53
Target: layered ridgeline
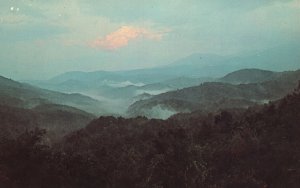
193	66
239	89
118	89
255	148
115	91
22	95
25	108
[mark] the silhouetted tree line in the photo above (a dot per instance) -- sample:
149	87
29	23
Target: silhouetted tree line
256	148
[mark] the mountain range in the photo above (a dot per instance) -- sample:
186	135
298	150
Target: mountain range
229	148
26	96
194	66
123	87
211	121
254	87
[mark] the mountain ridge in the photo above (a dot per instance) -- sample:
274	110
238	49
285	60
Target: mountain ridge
212	96
25	95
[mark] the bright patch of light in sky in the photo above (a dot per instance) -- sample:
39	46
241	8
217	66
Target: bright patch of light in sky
56	36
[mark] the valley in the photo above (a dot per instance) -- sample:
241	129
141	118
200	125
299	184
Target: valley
149	94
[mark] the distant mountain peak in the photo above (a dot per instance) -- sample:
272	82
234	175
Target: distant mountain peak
252	75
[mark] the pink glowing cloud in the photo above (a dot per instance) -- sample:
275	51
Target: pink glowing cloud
122	36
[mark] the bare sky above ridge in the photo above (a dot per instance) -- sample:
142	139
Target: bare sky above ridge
40	39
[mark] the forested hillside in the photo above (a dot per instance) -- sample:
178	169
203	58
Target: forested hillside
149	94
212	96
57	120
13	93
258	147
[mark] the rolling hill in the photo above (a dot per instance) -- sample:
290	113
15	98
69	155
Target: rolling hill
26	96
199	66
246	76
246	148
212	96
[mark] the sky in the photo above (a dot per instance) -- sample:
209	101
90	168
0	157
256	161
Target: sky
41	39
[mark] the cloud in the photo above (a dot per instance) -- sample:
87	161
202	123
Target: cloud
123	35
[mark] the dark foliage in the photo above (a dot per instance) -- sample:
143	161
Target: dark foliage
259	147
58	120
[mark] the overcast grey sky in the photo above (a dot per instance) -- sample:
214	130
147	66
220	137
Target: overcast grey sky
40	39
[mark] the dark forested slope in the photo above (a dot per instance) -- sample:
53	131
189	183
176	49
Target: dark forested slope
258	147
212	96
57	120
17	94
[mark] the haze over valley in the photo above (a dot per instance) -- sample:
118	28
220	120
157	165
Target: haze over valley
180	94
117	90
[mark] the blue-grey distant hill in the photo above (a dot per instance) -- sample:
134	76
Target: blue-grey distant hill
245	91
26	96
122	88
281	58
